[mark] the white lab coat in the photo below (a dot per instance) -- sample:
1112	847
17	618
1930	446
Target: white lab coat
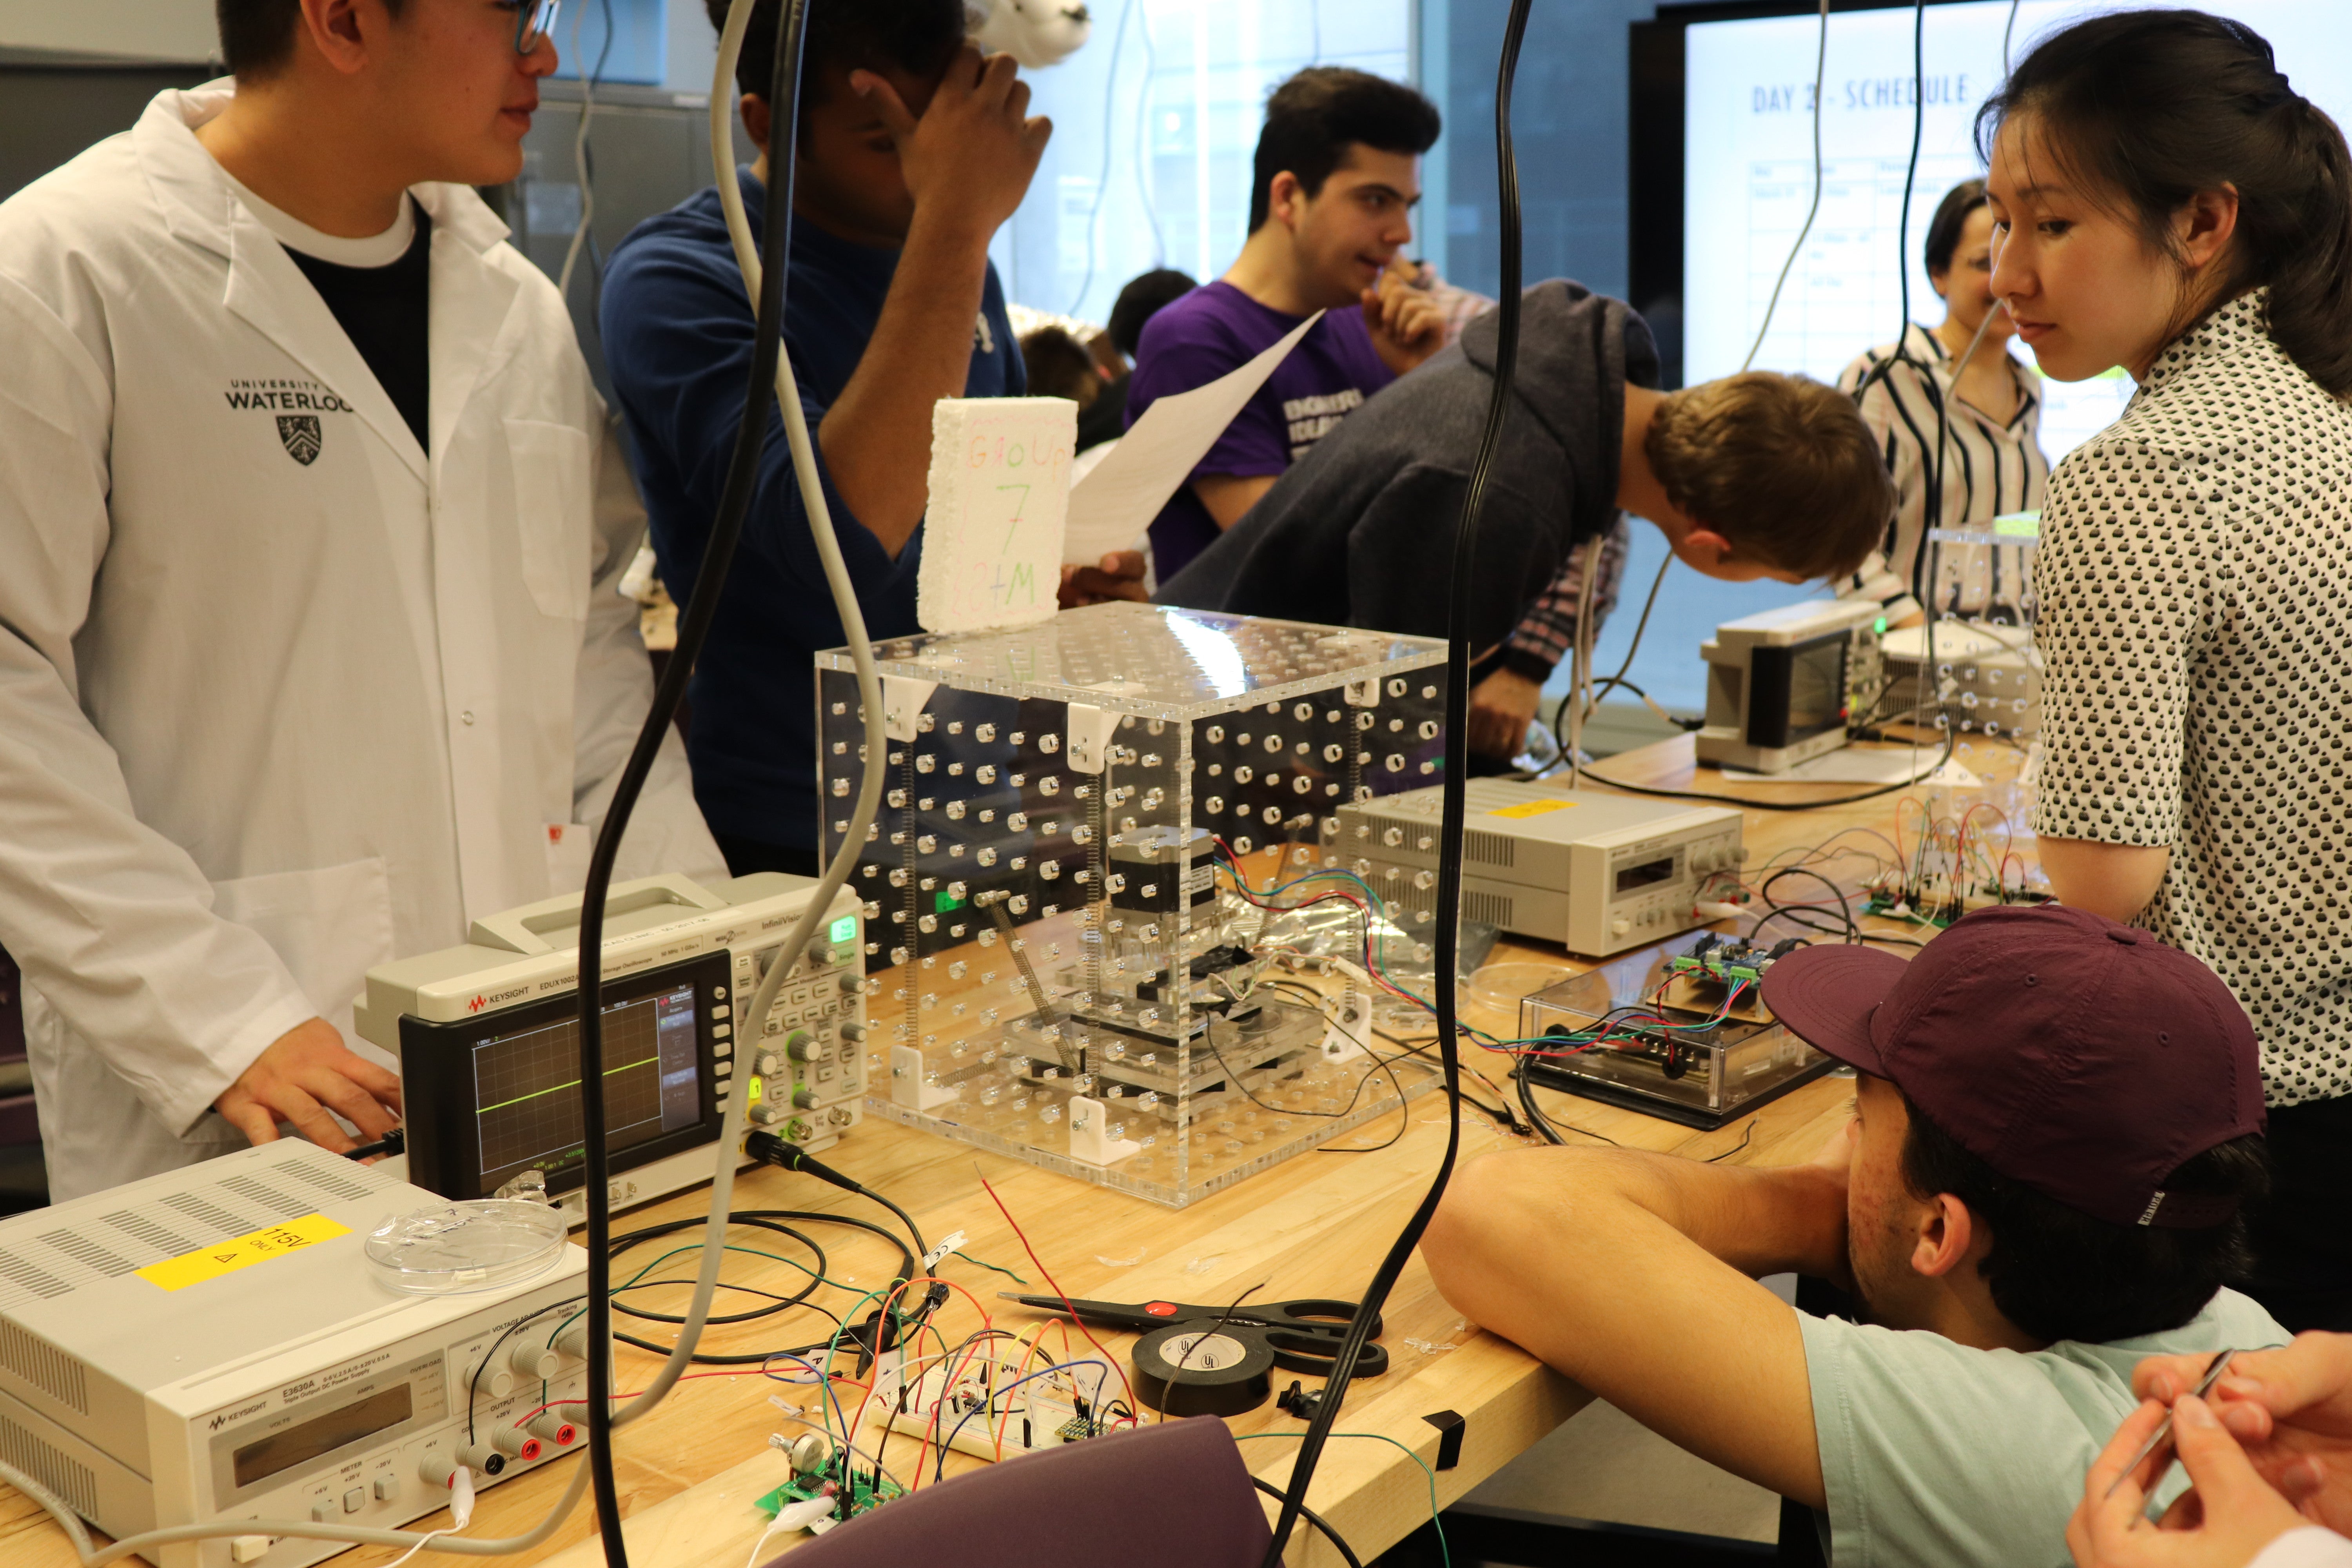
282	695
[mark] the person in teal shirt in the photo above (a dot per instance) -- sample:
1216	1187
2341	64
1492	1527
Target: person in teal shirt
2058	1119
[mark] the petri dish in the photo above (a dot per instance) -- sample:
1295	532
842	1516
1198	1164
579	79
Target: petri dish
452	1249
1499	987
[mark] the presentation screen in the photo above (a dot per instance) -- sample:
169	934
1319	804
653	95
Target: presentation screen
1745	171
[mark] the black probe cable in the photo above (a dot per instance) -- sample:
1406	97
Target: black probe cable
693	630
886	1323
1457	763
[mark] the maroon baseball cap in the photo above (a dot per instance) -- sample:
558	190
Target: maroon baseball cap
2080	1057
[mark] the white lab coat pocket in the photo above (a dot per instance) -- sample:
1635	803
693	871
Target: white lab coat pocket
551	487
329	927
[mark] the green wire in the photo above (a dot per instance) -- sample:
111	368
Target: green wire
1435	1523
997	1268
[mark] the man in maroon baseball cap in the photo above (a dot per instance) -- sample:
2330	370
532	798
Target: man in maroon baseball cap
2057	1121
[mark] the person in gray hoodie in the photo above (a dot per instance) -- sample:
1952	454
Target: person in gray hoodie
1756	475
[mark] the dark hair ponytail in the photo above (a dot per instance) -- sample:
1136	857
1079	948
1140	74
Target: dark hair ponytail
2149	108
1952	221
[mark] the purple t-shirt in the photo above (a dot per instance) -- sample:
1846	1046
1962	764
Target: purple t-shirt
1217	330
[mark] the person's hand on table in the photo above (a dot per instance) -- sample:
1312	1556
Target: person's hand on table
1502	706
2225	1520
974	148
1121	577
1406	325
300	1077
2290	1409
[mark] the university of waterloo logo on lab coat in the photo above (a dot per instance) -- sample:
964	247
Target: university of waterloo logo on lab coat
300	434
298	407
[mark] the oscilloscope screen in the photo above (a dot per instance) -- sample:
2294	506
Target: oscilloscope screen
527	1085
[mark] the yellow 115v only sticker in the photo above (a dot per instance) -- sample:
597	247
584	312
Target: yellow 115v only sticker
242	1252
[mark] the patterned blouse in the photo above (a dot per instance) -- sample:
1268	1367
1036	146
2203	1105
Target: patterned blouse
2196	580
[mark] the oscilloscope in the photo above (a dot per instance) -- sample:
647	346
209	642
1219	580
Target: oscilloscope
488	1037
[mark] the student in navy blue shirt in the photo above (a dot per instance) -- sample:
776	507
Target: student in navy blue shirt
912	150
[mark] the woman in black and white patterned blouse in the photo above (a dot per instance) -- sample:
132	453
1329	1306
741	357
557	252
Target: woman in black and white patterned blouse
2166	202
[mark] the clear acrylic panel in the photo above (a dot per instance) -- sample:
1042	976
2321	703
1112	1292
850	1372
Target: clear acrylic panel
1058	970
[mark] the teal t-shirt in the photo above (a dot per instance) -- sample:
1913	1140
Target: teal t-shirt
1936	1455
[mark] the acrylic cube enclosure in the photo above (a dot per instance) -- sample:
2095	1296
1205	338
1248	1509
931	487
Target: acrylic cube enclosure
1059	968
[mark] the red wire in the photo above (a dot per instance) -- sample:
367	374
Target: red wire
1116	1364
928	1437
922	1438
858	1421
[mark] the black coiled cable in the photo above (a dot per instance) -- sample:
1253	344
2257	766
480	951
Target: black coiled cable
1457	763
693	629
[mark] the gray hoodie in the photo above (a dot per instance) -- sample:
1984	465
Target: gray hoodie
1360	531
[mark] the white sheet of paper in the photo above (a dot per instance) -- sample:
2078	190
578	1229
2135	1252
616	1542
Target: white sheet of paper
1000	494
1118	499
1868	765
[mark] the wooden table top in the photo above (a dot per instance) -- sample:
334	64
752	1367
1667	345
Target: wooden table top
1314	1226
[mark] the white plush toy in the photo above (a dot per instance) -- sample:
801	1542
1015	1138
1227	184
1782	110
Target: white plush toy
1037	33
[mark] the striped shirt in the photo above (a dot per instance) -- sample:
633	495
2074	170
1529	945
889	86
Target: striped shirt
1547	634
1990	466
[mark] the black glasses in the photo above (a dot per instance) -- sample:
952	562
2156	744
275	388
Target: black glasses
534	20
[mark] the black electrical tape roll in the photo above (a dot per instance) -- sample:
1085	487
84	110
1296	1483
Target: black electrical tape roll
1204	1368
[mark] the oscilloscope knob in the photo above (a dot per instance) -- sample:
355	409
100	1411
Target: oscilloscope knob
800	1045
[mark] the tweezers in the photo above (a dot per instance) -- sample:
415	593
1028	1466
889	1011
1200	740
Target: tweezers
2163	1433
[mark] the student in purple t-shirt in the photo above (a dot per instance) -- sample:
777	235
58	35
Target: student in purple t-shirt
1337	173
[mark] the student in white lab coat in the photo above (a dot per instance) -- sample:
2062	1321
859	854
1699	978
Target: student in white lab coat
310	530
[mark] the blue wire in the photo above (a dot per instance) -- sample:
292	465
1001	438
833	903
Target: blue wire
822	1382
1104	1373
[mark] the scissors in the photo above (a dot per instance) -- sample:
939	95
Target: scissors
1303	1335
2163	1433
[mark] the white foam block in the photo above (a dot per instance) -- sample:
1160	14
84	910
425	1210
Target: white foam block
1000	498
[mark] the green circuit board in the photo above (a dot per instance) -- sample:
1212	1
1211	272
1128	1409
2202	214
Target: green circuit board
864	1493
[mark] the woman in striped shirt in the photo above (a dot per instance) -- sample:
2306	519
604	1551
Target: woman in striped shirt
1992	460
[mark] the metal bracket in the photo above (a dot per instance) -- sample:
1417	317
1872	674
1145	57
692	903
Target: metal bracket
907	1084
1091	729
903	697
1090	1138
1449	1446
